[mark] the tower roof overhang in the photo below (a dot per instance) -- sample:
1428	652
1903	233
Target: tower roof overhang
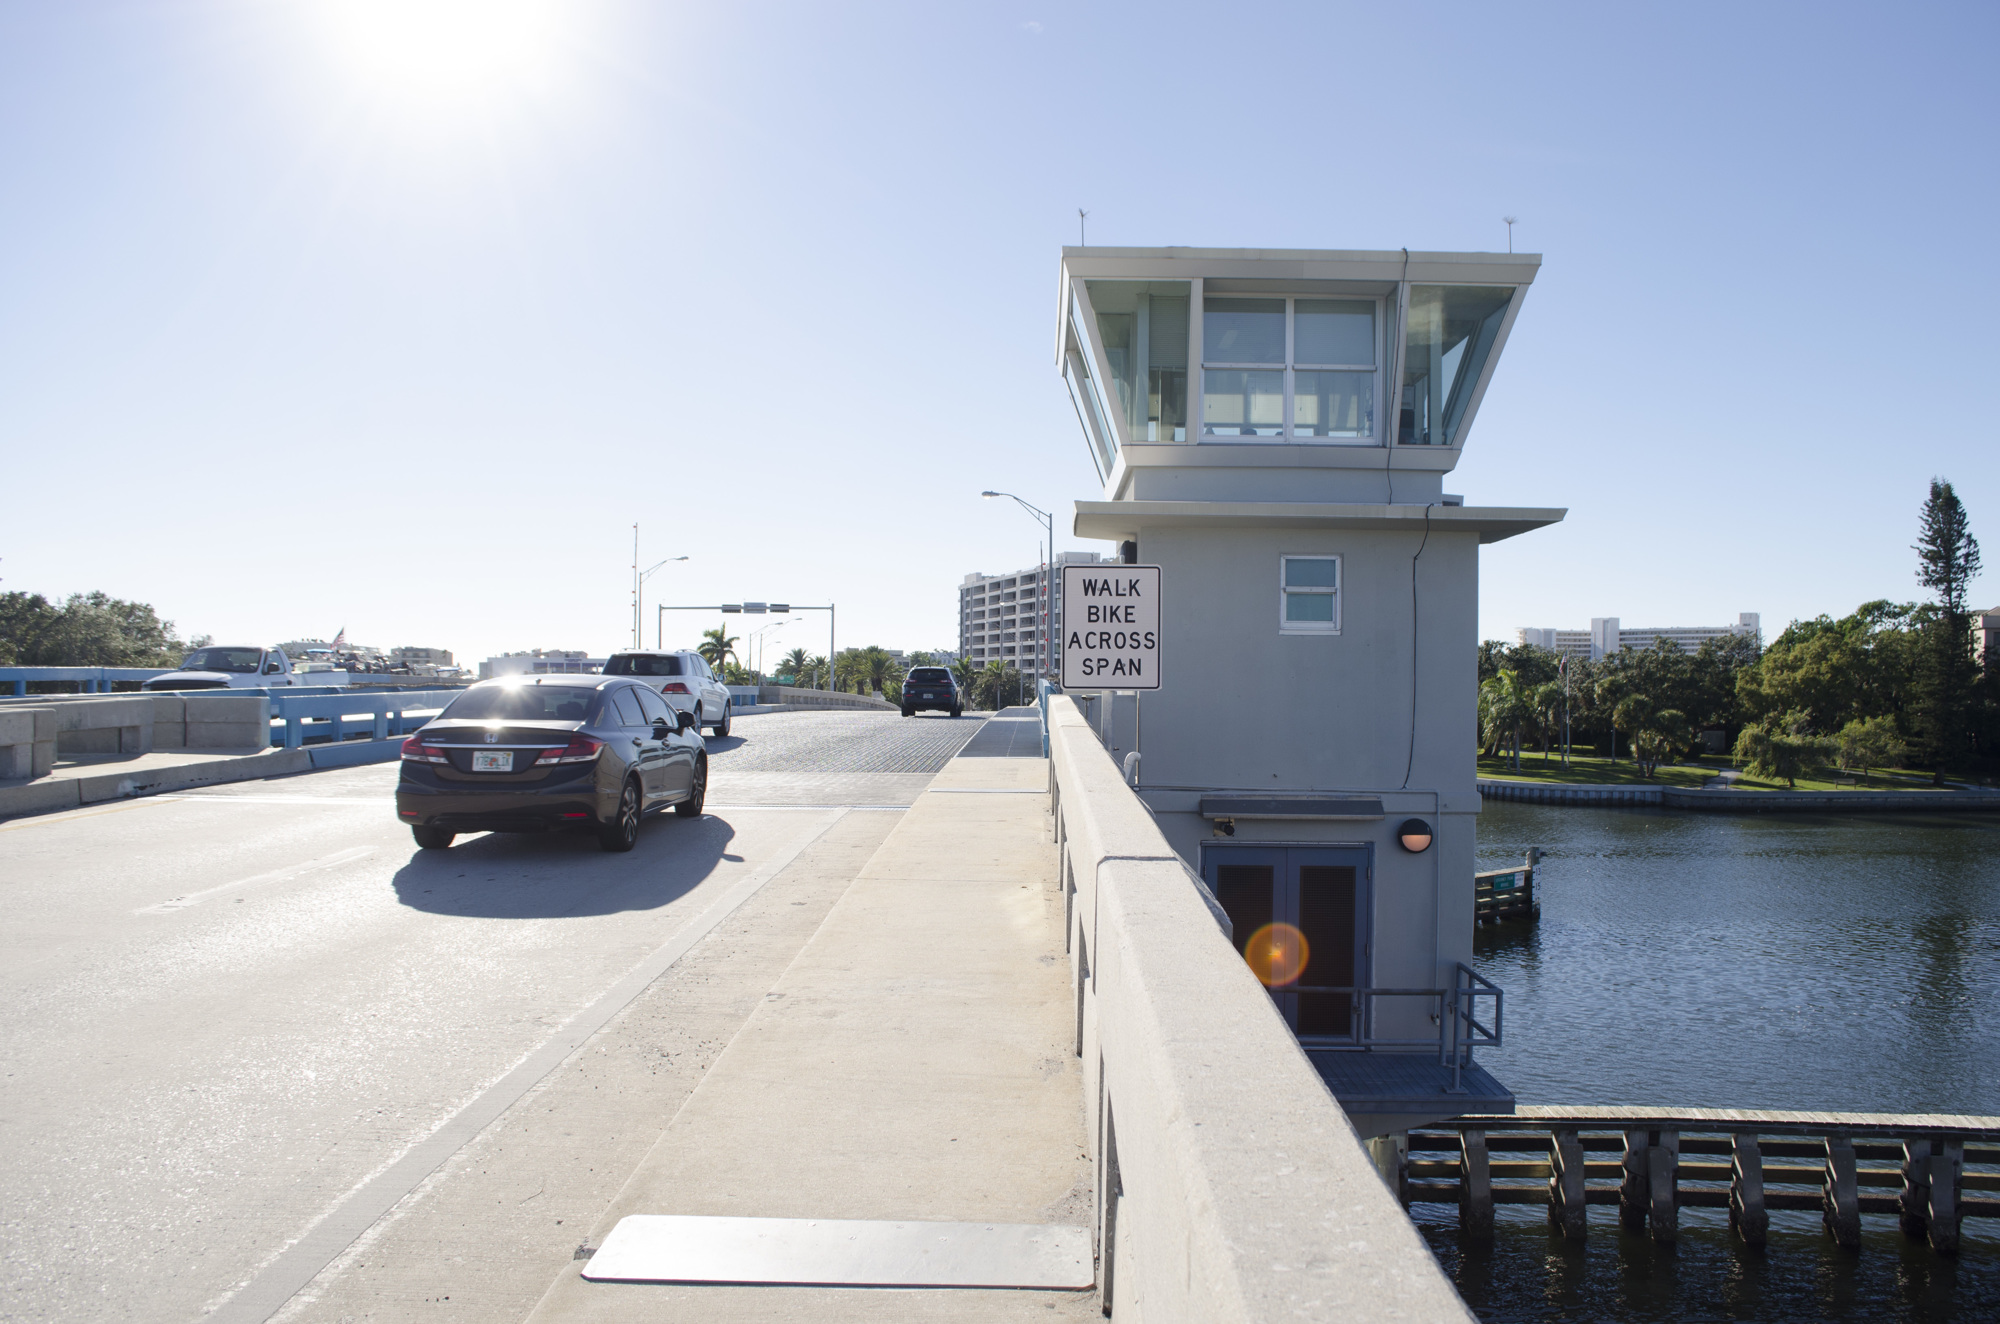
1117	521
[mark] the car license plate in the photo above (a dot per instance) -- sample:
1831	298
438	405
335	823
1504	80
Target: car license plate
492	760
929	695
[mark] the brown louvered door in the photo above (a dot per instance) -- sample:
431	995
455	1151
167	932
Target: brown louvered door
1328	910
1245	882
1324	892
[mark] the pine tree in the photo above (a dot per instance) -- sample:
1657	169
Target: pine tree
1947	561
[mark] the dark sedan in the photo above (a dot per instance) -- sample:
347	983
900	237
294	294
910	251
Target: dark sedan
531	753
932	688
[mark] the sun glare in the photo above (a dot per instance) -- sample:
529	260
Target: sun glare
446	53
1277	953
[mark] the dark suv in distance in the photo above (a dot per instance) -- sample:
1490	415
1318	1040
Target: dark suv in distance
530	753
932	688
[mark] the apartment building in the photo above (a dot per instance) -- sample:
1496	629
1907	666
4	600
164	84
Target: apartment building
1016	618
1605	635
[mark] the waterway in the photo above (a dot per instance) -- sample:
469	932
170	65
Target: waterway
1817	962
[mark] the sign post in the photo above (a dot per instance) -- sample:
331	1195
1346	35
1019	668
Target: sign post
1111	627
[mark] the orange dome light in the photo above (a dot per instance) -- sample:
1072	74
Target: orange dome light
1277	954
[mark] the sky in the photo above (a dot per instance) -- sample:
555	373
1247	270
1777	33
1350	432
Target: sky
398	316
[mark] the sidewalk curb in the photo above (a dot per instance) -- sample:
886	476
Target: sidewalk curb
52	795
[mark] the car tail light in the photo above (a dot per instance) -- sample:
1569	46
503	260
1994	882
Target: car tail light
417	752
580	750
675	687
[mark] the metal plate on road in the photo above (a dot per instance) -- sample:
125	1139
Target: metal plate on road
1111	627
842	1252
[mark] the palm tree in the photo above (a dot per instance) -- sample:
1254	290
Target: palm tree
882	672
995	684
717	647
1504	708
1548	704
816	670
966	672
793	664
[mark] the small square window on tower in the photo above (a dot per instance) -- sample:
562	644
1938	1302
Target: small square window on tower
1309	595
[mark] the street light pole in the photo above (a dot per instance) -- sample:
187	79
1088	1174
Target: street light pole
639	578
1043	585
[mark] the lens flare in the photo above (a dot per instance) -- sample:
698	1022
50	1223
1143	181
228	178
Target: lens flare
1277	954
444	53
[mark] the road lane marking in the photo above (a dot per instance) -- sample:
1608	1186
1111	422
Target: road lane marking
281	1277
815	808
71	815
334	860
225	798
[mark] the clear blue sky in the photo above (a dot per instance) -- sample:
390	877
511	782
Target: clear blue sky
315	315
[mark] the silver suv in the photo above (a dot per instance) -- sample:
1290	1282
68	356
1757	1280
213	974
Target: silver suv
683	679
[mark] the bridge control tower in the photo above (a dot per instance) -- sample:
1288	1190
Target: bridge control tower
1273	429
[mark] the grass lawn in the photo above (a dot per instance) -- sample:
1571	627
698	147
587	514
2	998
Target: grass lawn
1827	779
1592	771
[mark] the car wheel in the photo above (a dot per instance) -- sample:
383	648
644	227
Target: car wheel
957	712
721	728
691	807
909	712
622	832
431	838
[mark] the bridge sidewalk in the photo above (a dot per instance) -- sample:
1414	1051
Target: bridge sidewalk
916	1061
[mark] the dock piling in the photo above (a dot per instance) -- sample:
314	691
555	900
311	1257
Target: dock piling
1946	1174
1475	1186
1663	1213
1566	1186
1840	1206
1746	1189
1632	1191
1913	1205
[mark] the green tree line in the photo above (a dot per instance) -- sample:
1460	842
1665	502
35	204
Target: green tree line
86	630
1890	682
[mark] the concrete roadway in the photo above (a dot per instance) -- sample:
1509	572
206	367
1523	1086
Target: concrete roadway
240	1025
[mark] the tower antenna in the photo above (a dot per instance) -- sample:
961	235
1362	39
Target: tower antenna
1081	242
1510	232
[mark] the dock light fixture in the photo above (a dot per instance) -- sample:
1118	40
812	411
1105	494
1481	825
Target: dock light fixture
1415	834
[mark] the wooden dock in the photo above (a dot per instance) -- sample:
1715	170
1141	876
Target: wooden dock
1501	895
1923	1169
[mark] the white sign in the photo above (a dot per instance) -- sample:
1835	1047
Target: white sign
1111	627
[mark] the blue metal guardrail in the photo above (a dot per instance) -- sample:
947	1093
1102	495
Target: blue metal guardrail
98	680
298	719
94	680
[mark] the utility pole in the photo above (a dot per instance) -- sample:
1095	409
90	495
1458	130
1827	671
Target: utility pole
1043	584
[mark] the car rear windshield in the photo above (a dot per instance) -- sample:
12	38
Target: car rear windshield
523	703
243	660
930	675
641	664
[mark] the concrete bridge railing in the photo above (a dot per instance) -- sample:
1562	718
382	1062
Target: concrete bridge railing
1230	1185
793	697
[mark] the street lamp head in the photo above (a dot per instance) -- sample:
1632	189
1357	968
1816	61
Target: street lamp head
989	495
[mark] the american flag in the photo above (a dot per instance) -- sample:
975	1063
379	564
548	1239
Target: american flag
340	640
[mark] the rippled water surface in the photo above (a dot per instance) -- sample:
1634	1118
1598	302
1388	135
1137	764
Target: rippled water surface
1751	962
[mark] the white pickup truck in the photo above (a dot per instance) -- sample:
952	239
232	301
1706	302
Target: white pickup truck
236	669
